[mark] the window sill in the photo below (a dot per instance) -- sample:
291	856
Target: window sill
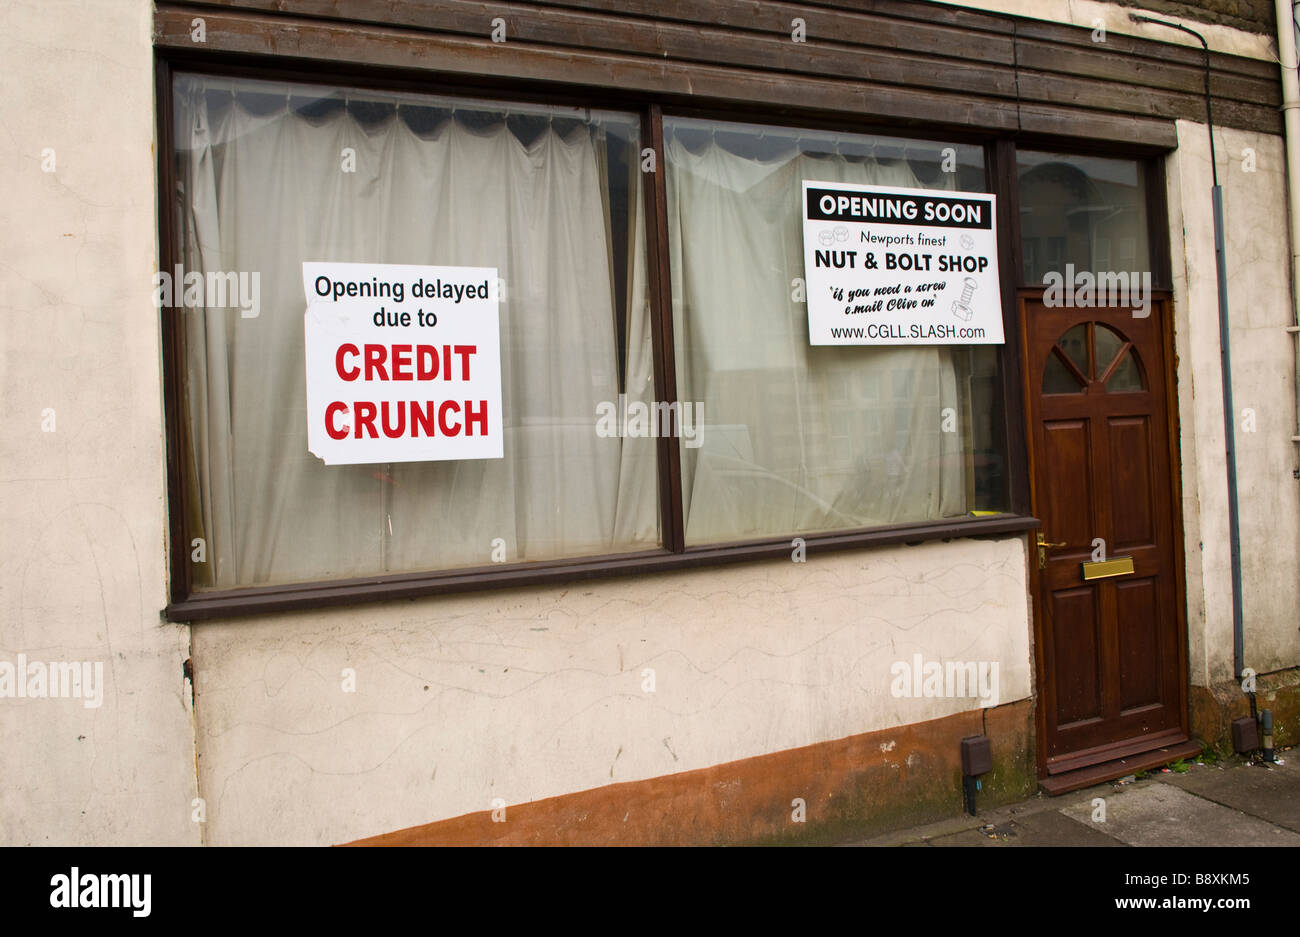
238	603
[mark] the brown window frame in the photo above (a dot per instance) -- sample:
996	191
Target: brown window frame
186	605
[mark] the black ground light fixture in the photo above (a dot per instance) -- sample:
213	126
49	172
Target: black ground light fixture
1229	430
1245	735
1254	733
976	759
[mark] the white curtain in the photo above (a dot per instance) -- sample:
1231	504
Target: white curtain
796	438
263	189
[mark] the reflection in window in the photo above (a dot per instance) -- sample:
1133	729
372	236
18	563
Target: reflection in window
1091	353
1127	376
1075	345
1107	343
1081	210
1058	379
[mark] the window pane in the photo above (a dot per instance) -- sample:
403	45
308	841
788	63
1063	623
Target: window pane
1075	345
1127	376
797	438
1057	378
1108	345
1081	210
271	175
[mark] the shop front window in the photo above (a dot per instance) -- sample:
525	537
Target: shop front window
272	175
800	438
777	437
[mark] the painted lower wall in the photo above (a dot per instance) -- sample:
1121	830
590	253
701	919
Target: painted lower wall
532	693
844	791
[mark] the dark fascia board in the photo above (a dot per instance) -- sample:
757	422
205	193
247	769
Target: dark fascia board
323	44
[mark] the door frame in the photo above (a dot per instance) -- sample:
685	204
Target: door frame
1162	306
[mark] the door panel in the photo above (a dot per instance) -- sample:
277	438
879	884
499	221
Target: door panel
1078	670
1132	489
1109	649
1139	643
1069	498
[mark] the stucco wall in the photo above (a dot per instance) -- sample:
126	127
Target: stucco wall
535	692
81	507
1256	16
1263	368
1222	34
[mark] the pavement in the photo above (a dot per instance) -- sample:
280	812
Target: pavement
1230	803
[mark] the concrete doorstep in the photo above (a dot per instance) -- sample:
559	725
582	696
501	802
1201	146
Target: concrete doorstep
1231	803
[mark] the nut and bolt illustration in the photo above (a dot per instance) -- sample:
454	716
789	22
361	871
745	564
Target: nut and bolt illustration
961	308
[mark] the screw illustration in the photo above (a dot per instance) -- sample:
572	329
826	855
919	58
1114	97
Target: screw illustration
961	308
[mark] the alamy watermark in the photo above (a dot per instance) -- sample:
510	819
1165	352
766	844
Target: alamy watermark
217	290
640	420
1087	290
60	679
951	679
82	890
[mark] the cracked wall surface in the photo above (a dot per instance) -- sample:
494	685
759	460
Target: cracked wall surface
1263	378
81	478
528	693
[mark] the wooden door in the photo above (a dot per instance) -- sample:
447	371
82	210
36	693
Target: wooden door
1109	650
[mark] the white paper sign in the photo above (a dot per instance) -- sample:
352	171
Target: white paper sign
893	266
403	363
